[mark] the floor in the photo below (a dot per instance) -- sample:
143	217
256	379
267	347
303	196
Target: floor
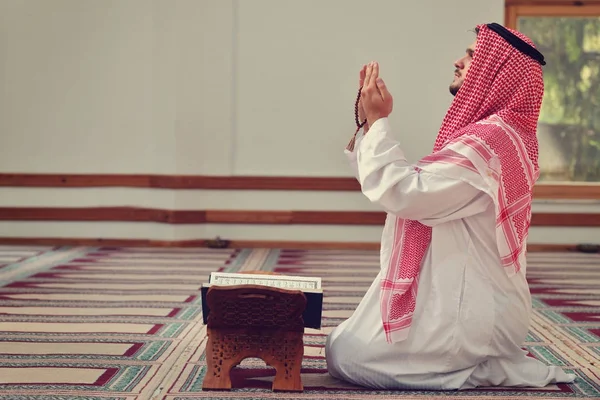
126	323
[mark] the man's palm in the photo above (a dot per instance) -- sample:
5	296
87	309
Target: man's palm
376	100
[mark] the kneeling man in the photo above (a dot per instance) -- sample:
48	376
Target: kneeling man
451	306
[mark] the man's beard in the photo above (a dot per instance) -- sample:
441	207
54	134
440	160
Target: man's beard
454	89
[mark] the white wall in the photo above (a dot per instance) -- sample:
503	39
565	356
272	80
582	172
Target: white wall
84	87
297	66
216	87
247	87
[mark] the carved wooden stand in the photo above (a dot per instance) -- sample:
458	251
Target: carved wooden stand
254	321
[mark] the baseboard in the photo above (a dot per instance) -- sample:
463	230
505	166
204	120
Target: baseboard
551	248
268	217
236	244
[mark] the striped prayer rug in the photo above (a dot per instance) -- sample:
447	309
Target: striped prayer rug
101	323
125	323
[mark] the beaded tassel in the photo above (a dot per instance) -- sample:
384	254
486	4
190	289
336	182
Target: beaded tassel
359	125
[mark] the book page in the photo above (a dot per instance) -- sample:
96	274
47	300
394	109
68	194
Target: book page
279	281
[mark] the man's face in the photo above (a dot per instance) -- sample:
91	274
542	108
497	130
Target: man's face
462	67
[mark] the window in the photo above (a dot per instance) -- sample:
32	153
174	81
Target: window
568	34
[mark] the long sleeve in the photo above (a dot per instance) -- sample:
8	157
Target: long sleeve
388	179
352	154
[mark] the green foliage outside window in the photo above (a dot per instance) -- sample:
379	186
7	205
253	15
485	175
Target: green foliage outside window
569	129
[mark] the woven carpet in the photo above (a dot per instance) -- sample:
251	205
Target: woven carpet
125	323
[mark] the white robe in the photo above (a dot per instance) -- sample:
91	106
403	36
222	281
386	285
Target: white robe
470	318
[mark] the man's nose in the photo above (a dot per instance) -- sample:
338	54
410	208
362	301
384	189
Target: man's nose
458	64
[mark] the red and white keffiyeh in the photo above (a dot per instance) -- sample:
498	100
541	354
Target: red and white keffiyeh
490	128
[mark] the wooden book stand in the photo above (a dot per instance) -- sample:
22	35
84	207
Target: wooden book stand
254	321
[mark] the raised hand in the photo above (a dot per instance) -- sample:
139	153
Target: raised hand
376	100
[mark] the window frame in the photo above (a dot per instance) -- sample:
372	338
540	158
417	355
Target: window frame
550	8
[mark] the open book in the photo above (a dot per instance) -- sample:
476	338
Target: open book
310	286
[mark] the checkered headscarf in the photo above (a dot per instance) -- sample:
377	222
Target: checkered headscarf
490	129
